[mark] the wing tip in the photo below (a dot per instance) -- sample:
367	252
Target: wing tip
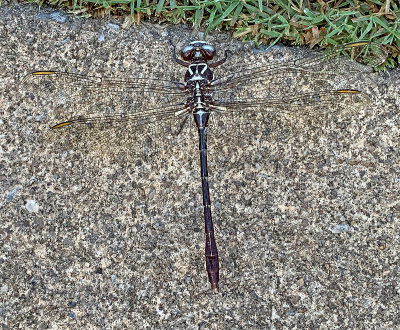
65	123
37	73
348	91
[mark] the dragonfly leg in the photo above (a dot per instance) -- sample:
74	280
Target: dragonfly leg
179	85
176	59
219	62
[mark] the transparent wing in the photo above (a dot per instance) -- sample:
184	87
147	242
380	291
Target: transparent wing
46	82
90	93
108	115
265	118
318	102
270	76
143	133
290	96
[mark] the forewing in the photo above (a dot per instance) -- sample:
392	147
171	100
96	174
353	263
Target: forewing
276	78
88	92
105	116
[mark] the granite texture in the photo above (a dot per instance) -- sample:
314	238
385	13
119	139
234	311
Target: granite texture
307	222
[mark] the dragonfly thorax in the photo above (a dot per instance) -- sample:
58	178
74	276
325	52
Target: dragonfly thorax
199	71
199	102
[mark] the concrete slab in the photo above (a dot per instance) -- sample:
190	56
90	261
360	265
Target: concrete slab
307	222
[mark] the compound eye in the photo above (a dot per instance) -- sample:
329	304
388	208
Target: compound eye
209	51
186	52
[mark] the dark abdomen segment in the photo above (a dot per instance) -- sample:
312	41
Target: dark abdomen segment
211	252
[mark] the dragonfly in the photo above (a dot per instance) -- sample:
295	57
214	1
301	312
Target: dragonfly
158	108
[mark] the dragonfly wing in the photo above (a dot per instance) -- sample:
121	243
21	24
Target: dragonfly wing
141	133
249	118
311	104
330	63
77	89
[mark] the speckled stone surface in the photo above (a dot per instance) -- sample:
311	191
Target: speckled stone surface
307	225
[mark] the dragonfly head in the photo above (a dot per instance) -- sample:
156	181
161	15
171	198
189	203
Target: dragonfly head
198	51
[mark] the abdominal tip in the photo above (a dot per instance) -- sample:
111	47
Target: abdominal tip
214	287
